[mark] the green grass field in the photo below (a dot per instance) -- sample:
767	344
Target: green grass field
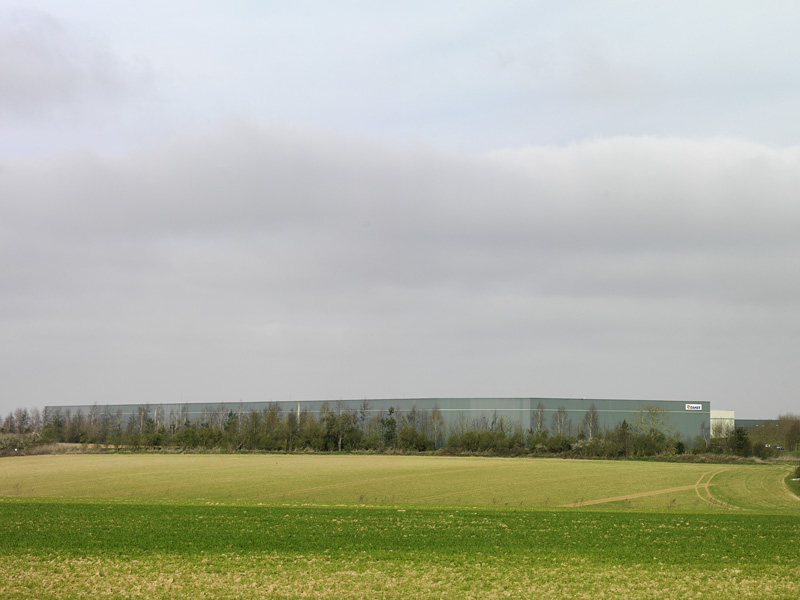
256	526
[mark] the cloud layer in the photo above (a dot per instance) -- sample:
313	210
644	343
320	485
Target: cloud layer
263	263
307	200
463	76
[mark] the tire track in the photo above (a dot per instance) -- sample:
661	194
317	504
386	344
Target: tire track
697	486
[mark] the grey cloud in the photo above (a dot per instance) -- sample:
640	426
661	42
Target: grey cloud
686	210
313	253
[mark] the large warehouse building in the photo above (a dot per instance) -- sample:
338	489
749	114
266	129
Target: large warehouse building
685	420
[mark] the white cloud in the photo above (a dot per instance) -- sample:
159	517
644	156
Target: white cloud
62	88
45	69
463	76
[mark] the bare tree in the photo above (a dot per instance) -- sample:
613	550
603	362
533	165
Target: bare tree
591	422
219	416
363	415
561	421
36	420
93	423
538	419
651	420
791	433
721	430
437	422
157	416
9	424
22	420
143	411
704	433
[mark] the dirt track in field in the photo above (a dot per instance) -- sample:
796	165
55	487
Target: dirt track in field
700	487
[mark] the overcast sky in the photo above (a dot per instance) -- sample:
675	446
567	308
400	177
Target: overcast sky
205	201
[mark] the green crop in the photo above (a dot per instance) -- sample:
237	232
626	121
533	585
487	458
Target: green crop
247	528
495	550
88	528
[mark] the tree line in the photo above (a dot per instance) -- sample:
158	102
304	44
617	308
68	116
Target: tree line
338	429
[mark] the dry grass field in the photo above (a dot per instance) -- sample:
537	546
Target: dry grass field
390	480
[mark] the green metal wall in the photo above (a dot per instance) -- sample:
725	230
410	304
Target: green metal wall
457	412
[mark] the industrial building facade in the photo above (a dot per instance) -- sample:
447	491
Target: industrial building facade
569	416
